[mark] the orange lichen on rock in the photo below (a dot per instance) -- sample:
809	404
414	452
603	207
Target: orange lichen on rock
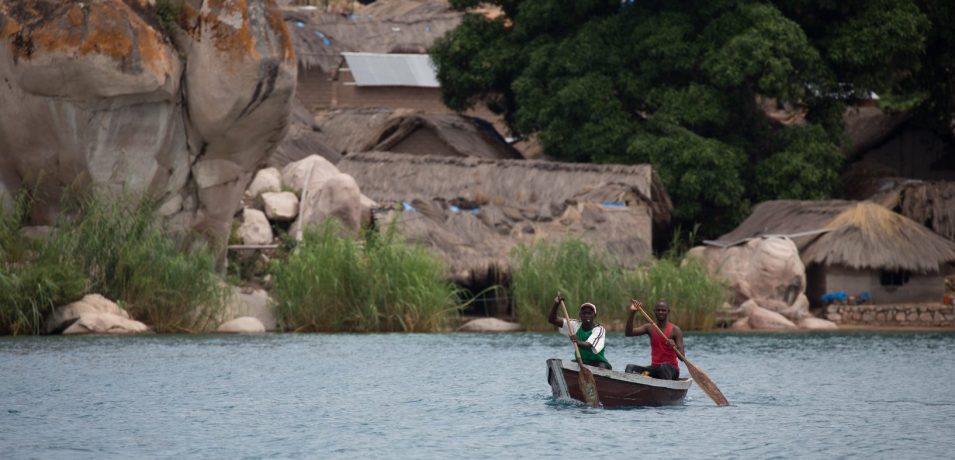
231	37
229	23
277	23
8	29
109	29
75	16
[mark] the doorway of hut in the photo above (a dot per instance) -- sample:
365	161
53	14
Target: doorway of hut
487	293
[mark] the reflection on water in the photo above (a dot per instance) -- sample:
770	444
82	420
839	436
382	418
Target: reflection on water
440	395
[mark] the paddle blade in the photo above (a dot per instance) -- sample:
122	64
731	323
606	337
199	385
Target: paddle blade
588	386
706	384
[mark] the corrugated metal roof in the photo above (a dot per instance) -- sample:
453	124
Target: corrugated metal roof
374	69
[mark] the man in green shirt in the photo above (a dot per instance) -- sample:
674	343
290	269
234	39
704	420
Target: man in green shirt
589	336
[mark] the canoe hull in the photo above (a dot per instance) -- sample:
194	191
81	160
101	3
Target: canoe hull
616	389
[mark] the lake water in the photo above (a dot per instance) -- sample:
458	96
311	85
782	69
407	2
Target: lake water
821	395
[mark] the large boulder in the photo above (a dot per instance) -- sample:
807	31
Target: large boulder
761	318
184	120
336	197
308	174
280	206
767	279
242	325
64	315
105	323
814	323
255	228
266	180
254	303
93	314
763	268
490	325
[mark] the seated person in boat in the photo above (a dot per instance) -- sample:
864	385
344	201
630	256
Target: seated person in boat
663	358
589	336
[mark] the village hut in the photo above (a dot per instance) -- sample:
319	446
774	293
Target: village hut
324	76
931	204
856	248
472	212
413	132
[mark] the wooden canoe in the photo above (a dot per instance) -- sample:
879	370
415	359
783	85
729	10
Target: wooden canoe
616	389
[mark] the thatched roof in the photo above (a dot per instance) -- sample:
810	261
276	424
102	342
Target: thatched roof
931	204
354	130
867	127
855	234
473	211
320	38
302	139
465	136
398	8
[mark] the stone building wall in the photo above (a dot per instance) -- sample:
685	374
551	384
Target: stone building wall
890	315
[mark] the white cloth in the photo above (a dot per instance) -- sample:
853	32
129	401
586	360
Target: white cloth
597	337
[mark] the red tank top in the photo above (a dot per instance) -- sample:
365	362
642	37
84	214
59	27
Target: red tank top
660	352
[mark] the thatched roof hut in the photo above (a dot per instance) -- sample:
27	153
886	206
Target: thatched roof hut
320	38
413	132
474	211
855	246
931	204
856	234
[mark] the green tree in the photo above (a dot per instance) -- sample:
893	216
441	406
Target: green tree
676	84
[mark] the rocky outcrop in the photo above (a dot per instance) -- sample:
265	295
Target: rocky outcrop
186	121
768	282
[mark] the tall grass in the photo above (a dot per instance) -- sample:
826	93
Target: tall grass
573	268
691	292
583	274
335	283
32	281
114	247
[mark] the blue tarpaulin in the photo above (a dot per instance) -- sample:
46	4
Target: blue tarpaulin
407	206
833	296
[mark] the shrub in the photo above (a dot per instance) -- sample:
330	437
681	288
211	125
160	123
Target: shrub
113	247
334	283
32	281
130	258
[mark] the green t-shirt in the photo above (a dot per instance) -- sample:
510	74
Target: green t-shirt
588	355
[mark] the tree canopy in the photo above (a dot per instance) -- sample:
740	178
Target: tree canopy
682	85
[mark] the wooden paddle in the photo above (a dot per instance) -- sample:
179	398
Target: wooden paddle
585	378
703	380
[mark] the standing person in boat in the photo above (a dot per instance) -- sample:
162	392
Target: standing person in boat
663	358
589	336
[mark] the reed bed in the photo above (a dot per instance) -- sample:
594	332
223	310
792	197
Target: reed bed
573	268
583	274
114	247
331	283
692	293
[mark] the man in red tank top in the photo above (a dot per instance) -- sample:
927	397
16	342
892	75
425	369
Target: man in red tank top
663	364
